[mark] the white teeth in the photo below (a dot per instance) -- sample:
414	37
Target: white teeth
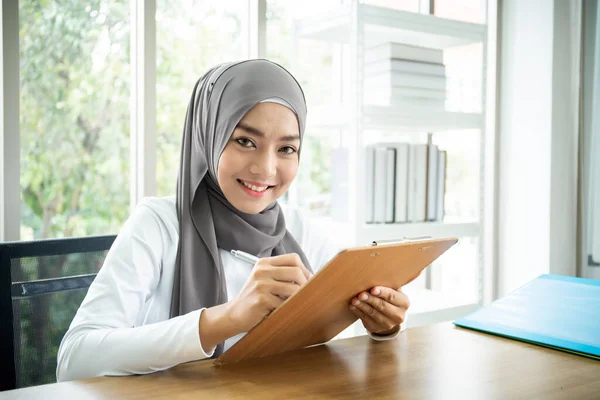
255	188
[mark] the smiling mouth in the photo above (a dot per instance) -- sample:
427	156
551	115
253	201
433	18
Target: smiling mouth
253	190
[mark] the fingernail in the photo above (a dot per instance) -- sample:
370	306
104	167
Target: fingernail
355	302
352	308
376	291
363	296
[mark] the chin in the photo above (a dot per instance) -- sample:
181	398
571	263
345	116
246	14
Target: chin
252	208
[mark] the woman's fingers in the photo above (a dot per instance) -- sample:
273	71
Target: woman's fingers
282	274
395	297
271	302
382	309
288	260
367	321
384	322
282	289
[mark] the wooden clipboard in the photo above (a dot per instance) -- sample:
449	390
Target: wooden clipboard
319	310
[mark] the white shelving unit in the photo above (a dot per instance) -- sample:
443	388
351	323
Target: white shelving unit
385	24
352	28
385	118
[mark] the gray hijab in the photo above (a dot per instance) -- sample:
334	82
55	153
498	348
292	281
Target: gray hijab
207	221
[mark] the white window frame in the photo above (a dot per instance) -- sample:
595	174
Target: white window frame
10	189
257	29
143	101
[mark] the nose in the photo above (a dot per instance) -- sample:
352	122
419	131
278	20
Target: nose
264	165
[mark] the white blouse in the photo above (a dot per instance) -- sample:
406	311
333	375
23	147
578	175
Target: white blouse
122	326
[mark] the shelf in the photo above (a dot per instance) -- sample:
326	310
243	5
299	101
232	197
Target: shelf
394	118
384	24
364	116
399	119
370	232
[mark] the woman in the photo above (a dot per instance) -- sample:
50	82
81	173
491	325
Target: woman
169	290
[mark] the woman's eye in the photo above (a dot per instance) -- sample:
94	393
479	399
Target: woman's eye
288	150
245	142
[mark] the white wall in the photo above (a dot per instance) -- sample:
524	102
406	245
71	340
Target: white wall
537	169
565	137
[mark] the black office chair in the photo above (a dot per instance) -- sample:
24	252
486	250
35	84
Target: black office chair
42	284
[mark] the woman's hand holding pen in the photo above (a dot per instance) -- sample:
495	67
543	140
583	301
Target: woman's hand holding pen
272	280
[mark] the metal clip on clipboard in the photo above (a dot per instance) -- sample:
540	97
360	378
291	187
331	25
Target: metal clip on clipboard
401	240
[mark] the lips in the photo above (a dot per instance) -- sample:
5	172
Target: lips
256	186
254	189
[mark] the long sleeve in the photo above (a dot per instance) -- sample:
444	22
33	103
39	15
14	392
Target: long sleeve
103	338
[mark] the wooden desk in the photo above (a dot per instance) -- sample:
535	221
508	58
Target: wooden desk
439	361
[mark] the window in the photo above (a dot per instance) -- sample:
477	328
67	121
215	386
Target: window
74	117
456	274
312	62
191	37
462	174
74	168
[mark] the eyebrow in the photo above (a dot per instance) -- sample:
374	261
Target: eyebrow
256	132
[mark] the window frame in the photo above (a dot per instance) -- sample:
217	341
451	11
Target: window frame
142	135
10	215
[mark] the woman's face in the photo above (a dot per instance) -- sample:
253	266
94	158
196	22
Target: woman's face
260	160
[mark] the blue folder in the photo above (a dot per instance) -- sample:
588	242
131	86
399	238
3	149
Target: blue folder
555	311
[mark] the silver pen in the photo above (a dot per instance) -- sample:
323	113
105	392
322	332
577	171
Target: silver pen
242	255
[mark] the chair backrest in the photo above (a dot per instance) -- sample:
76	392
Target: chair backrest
42	284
